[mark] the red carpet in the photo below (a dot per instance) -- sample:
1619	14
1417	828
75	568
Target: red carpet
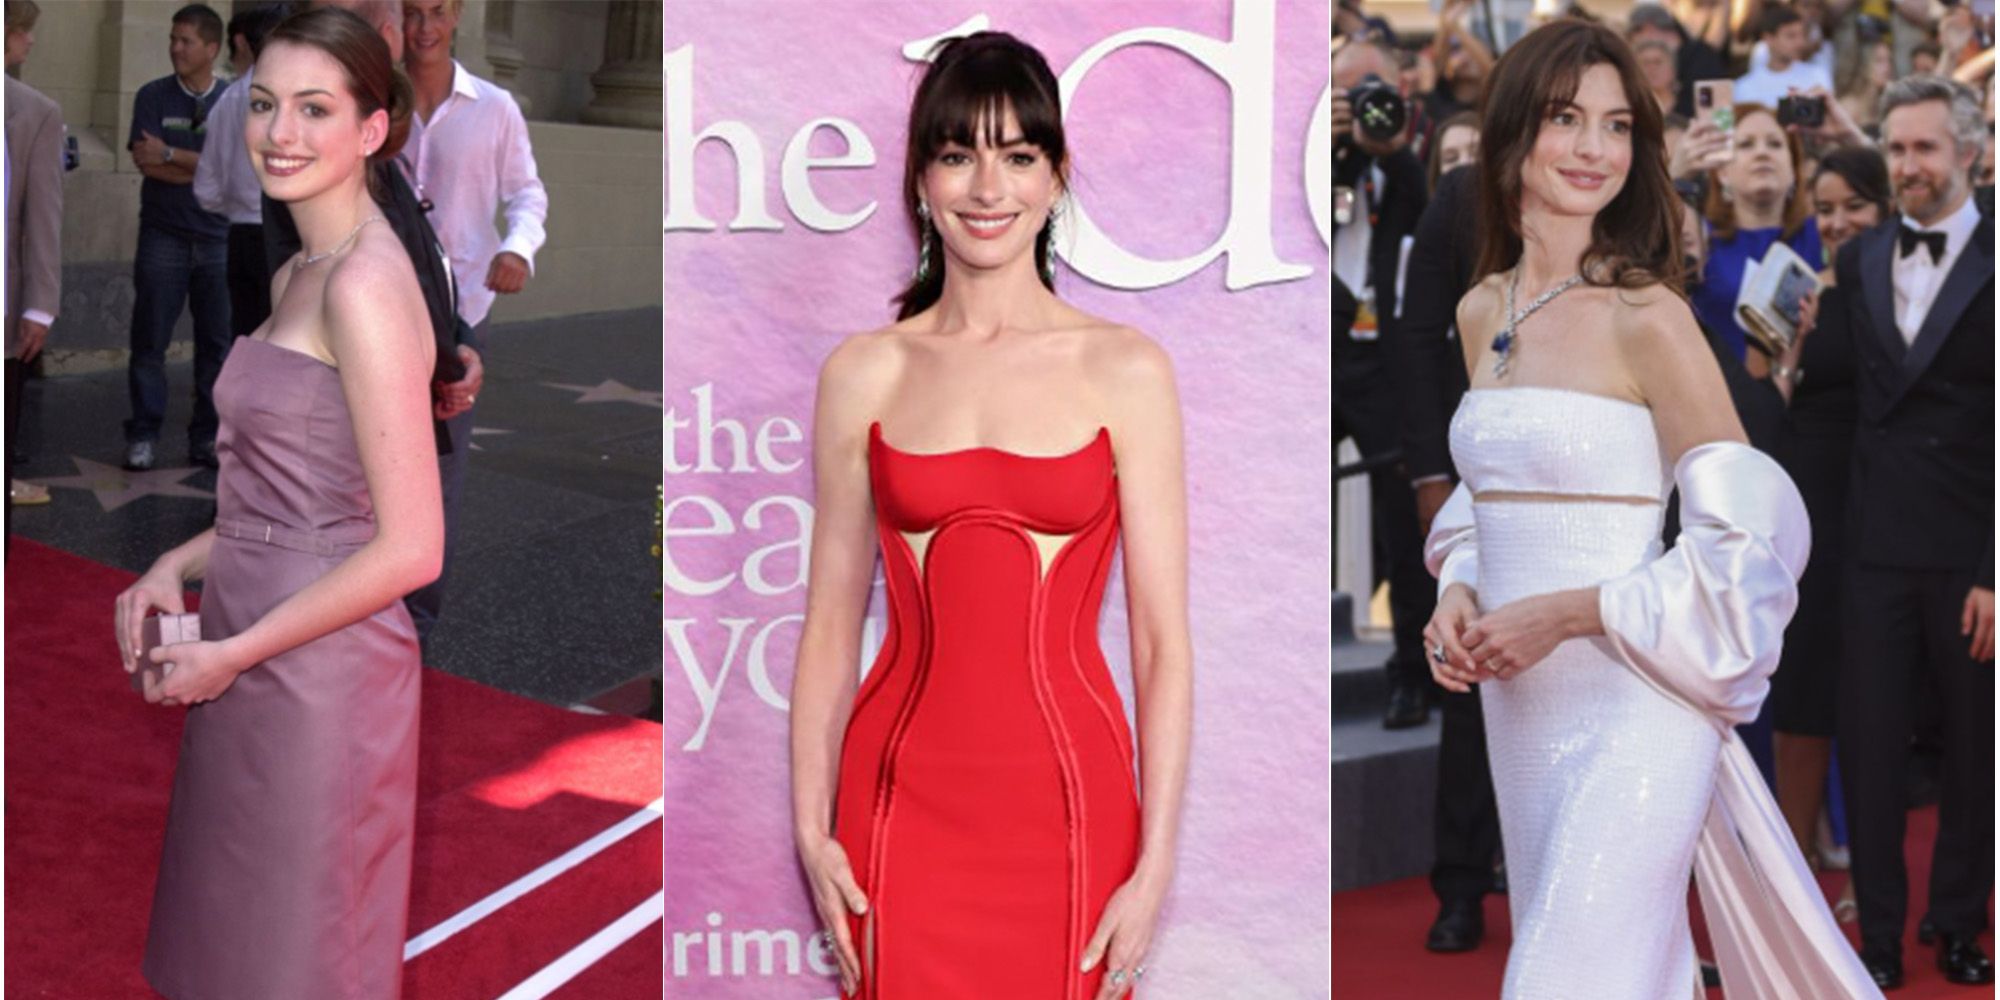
505	785
1378	939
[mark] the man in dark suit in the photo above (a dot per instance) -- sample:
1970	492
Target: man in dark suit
1920	587
34	223
1431	374
1378	195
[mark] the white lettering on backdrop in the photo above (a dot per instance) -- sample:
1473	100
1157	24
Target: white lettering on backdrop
697	528
1244	64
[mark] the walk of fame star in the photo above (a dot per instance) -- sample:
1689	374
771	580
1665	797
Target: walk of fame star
612	391
116	487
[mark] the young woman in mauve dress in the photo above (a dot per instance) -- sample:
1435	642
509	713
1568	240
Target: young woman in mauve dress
286	868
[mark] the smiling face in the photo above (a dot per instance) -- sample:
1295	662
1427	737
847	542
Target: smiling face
1840	212
990	201
190	55
1583	150
1926	165
1762	169
427	30
304	130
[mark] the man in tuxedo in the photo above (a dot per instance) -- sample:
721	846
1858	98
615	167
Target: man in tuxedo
456	380
1431	373
1920	586
34	222
1378	195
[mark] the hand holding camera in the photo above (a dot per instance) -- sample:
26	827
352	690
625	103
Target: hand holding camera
1814	113
1373	116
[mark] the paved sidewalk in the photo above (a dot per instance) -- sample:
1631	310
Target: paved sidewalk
551	591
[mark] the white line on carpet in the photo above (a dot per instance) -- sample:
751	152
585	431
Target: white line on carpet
598	945
528	883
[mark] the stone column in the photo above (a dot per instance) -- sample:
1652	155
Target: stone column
629	86
502	55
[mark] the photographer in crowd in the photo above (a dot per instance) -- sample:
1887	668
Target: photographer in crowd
1378	195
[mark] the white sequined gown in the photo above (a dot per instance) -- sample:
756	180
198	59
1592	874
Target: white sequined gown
1602	783
1614	762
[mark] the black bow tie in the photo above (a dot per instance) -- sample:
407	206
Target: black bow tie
1910	239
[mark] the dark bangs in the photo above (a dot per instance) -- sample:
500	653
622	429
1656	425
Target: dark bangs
963	98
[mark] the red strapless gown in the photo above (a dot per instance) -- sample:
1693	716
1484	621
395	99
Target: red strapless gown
987	798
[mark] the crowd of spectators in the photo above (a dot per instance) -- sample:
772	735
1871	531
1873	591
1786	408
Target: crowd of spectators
1838	129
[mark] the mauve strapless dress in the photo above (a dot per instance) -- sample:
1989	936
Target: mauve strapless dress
286	870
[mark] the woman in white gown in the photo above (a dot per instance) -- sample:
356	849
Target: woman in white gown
1614	671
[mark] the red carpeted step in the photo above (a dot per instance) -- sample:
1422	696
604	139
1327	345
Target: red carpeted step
1378	938
505	784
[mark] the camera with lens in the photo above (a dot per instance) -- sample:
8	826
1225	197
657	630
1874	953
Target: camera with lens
1805	112
1379	110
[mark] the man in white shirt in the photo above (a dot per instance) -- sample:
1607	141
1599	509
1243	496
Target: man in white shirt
468	154
226	184
469	151
1784	37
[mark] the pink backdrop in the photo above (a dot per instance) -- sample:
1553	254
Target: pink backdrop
1197	134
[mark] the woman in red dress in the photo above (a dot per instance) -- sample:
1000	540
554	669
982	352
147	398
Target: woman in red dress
972	819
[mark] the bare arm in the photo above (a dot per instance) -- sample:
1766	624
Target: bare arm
1152	497
1676	374
1974	70
829	652
1665	356
385	362
843	566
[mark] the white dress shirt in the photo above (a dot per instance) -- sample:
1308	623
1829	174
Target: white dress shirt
1917	278
471	156
224	181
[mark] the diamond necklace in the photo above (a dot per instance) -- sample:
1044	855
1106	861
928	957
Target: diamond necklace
1503	343
301	263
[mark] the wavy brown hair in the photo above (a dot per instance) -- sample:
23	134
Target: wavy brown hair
962	98
1721	213
1635	240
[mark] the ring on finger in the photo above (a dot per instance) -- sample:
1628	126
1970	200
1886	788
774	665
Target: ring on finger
1117	977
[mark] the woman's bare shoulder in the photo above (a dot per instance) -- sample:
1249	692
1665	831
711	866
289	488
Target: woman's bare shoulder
1479	311
865	361
372	289
1118	355
1652	318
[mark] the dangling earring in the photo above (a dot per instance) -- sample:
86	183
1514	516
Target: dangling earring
924	244
1049	245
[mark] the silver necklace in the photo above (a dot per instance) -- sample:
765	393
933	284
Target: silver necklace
1503	343
315	258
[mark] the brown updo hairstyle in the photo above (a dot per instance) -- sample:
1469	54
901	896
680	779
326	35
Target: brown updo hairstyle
1719	211
1635	240
970	84
372	77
